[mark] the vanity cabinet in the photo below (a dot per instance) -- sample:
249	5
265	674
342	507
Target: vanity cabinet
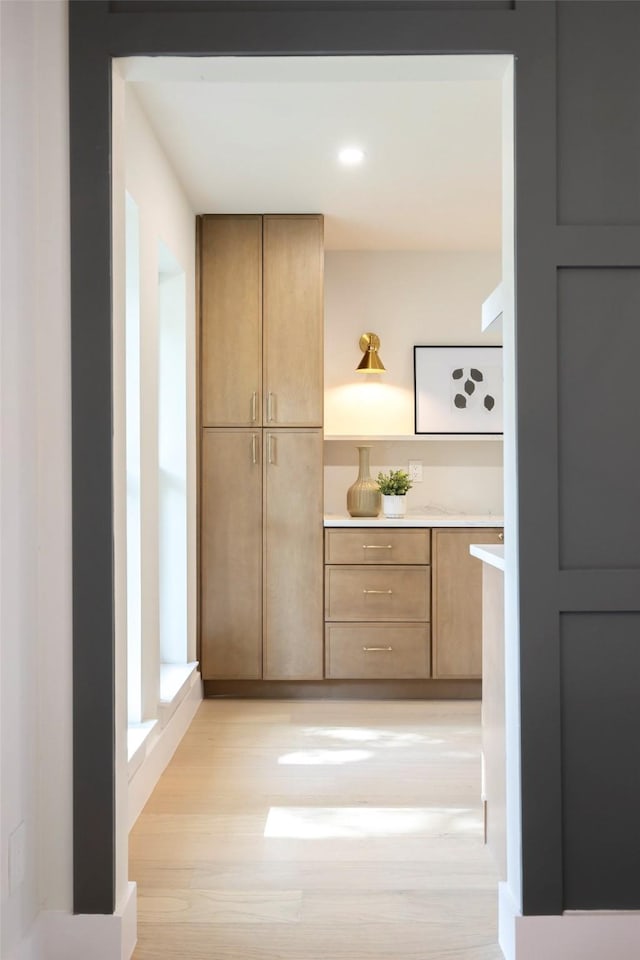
457	601
377	604
261	307
261	555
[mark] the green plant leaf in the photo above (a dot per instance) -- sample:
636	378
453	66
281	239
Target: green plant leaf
396	483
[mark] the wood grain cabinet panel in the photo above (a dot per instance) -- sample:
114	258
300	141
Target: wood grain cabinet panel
376	651
293	511
293	321
457	601
368	545
262	320
231	320
377	593
261	555
231	555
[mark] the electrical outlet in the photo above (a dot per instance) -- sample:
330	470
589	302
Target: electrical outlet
415	471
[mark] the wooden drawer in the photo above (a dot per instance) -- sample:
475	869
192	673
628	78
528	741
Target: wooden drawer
380	545
375	651
377	593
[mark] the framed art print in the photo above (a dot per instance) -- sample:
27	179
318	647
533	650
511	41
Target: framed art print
458	389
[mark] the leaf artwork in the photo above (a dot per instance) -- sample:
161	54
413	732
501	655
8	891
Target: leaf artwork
474	377
458	389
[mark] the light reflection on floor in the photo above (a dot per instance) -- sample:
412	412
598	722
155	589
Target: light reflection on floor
319	757
365	734
319	823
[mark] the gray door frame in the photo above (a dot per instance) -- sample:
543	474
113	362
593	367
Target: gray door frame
527	29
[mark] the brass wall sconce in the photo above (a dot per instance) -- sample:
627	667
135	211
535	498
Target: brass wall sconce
371	362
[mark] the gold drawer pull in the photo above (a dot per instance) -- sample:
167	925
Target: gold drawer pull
375	649
379	591
501	537
377	546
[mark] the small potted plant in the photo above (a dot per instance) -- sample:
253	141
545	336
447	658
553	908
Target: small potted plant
393	487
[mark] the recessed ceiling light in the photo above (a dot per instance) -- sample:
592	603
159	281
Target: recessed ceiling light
351	156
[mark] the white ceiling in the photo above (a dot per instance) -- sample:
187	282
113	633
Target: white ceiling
260	135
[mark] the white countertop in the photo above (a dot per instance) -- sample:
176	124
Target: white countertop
490	553
415	520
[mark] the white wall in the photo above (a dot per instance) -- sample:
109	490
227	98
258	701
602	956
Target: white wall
458	476
407	298
141	169
165	215
35	467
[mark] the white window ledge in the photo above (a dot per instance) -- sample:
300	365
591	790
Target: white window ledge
176	680
137	733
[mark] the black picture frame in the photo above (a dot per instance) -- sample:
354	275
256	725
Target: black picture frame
458	389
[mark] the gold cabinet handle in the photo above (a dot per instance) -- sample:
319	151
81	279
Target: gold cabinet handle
254	407
377	546
270	448
254	448
501	537
376	649
269	406
389	592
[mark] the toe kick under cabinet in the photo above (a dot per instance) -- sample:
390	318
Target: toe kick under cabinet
377	604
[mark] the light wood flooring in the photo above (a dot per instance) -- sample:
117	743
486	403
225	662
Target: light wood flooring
318	830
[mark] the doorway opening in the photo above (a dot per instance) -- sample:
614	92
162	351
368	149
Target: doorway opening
411	278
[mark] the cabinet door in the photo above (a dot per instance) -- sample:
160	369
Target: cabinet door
293	321
231	320
231	555
457	602
293	510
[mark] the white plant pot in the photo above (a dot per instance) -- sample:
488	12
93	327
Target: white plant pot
394	507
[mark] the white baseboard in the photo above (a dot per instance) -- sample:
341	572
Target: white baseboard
64	936
162	743
579	936
508	912
56	935
29	947
575	935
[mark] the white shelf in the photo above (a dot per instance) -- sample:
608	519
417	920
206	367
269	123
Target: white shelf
412	437
492	310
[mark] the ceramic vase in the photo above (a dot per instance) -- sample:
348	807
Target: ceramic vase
394	507
363	496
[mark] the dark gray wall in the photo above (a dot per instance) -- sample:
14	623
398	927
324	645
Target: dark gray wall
578	294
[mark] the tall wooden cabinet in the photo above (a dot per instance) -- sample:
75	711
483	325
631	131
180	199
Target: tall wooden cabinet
261	499
262	321
457	601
